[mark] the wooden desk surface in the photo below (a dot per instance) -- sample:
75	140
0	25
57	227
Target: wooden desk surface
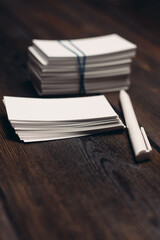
84	188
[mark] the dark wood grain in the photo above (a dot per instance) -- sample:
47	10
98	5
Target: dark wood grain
7	230
90	187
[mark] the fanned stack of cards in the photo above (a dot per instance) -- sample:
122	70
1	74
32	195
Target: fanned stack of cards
91	65
36	119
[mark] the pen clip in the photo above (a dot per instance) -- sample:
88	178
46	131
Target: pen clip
146	141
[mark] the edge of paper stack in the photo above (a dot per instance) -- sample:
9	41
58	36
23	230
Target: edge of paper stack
55	70
42	119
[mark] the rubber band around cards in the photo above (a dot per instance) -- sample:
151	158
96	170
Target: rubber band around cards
81	65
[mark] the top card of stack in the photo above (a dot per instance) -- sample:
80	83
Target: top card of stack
94	65
36	119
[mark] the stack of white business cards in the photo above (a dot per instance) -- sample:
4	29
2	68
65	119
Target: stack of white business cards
91	65
36	119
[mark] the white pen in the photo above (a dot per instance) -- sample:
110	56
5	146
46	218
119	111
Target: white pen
138	137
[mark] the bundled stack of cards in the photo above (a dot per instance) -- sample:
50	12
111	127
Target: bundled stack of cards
91	65
36	119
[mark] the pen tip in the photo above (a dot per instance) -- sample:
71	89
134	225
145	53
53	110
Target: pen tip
121	92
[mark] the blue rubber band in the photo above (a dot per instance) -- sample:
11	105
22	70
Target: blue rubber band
82	70
81	65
